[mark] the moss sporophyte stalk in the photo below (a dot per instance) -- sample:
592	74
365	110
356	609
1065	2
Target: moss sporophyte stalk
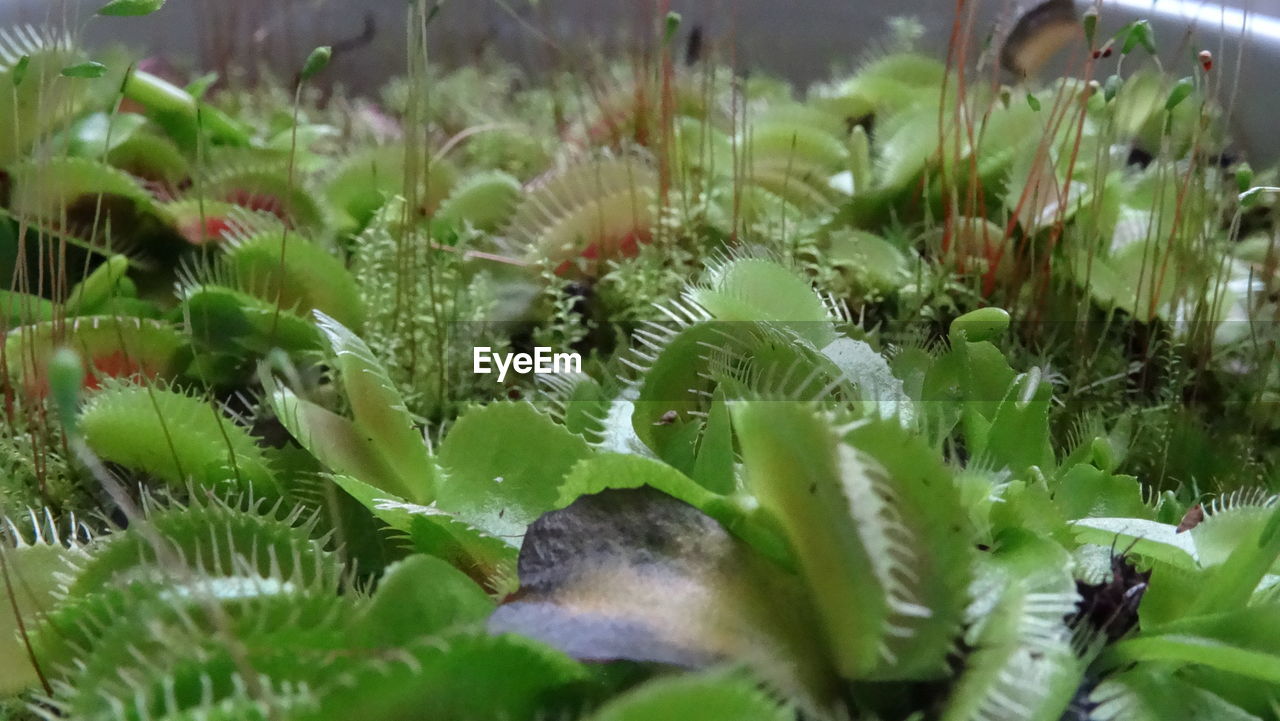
639	386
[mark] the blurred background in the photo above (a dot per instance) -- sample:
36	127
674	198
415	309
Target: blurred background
800	40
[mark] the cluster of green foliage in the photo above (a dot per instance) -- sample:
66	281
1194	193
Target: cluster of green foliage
912	399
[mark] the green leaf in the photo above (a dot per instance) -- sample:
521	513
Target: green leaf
200	85
23	308
865	510
669	390
1149	538
485	200
1260	665
860	166
908	143
419	596
1085	491
618	470
870	259
1033	102
714	464
968	383
504	464
363	182
380	413
1018	435
179	113
37	101
713	696
463	676
487	560
130	8
1150	692
1181	90
1234	521
225	320
583	404
28	578
90	69
924	495
205	538
43	191
286	270
1233	583
336	442
1022	665
88	296
984	324
889	83
750	359
175	437
754	289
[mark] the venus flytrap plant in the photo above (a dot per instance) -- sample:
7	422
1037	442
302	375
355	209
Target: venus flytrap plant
379	412
112	346
608	200
859	543
32	551
1024	664
252	263
187	441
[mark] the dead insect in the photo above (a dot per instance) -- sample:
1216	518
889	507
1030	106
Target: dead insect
1191	518
667	418
1111	607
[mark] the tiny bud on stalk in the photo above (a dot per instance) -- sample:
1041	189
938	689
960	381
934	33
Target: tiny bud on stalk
19	71
1206	60
1112	87
1090	20
1139	34
66	376
316	61
672	25
1244	177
